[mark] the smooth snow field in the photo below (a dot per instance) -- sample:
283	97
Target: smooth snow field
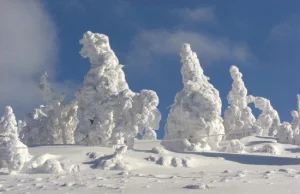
274	168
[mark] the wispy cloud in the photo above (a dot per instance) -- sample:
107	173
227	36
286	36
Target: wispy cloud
200	14
28	46
286	31
151	45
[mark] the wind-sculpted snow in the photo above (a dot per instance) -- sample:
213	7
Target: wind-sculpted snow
109	112
54	123
238	118
196	112
13	153
268	121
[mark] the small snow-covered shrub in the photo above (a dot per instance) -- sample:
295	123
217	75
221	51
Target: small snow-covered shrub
116	161
51	166
285	133
235	146
270	148
297	139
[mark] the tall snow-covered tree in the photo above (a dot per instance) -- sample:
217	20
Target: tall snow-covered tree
54	123
238	117
194	121
13	152
109	112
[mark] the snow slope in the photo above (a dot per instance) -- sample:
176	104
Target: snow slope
209	172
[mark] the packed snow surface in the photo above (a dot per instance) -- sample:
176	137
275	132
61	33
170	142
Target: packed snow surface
254	171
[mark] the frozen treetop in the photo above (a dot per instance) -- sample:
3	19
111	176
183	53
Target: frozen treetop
47	92
8	123
96	47
191	70
196	112
238	95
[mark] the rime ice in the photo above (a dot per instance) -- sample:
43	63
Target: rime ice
238	117
51	124
196	112
109	112
13	152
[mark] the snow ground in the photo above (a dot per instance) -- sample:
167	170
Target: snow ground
211	172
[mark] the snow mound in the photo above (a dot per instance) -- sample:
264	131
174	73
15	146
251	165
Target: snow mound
170	161
270	148
201	186
159	150
235	146
51	166
195	117
45	164
116	161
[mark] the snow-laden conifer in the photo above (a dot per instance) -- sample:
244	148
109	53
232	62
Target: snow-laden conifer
194	121
53	123
238	117
13	153
109	112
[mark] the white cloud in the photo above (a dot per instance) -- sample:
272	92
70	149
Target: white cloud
200	14
288	30
150	45
28	46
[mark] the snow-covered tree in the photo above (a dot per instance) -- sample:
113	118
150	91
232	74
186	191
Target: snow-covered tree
268	121
13	152
194	122
238	117
285	133
109	112
54	123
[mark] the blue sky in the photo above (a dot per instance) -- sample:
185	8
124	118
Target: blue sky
261	37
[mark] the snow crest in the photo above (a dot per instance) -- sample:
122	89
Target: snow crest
196	112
